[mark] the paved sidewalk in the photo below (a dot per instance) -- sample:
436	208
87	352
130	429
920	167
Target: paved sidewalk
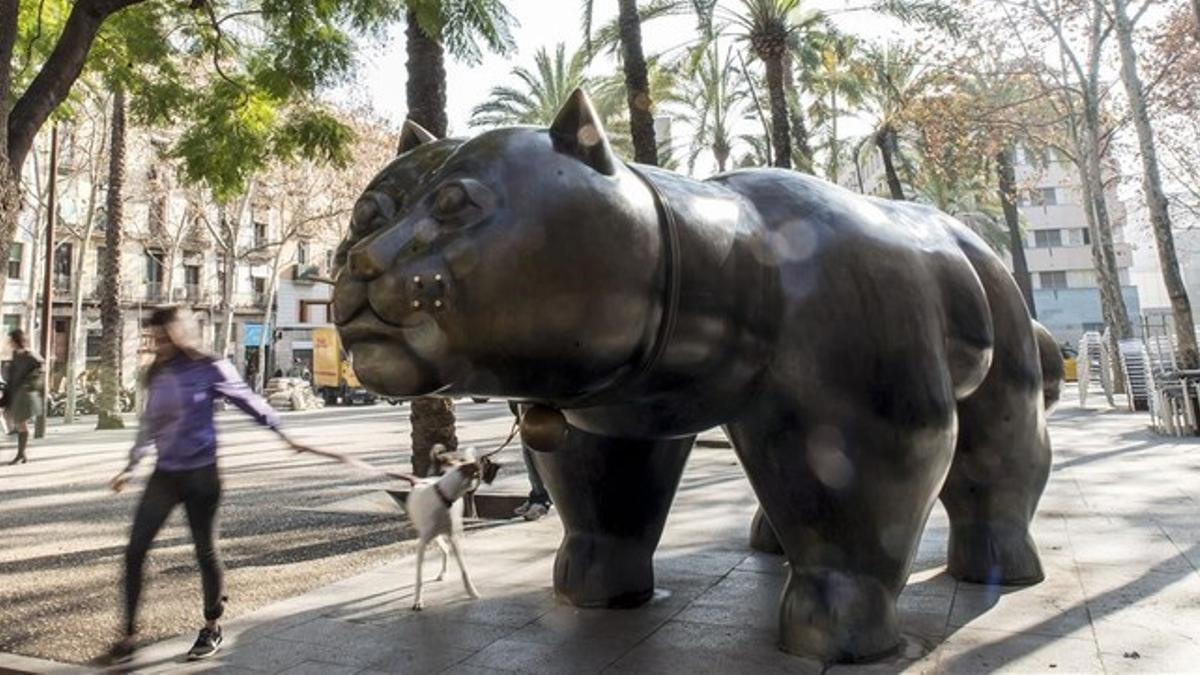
289	523
1118	529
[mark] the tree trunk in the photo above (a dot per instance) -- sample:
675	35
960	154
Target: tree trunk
227	289
885	140
833	138
637	85
433	422
1007	182
1196	25
110	277
432	418
1108	280
1156	199
268	316
76	326
781	141
426	87
10	172
802	152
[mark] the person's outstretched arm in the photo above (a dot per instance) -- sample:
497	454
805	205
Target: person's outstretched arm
147	430
230	385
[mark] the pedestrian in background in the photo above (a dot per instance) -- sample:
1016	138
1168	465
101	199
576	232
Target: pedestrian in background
22	400
538	503
181	386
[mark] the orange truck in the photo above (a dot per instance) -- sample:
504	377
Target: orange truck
333	374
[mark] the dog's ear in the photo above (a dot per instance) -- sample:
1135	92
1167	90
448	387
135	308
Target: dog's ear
440	455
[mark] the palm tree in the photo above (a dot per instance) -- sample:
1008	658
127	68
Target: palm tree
434	26
110	275
638	94
773	29
541	94
894	81
708	98
610	101
838	83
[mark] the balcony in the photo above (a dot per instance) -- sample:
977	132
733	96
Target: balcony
154	291
1063	258
252	300
189	293
305	273
62	286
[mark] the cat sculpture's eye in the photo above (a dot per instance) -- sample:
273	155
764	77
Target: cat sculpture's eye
461	202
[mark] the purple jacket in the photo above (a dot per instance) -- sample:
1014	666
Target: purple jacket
178	420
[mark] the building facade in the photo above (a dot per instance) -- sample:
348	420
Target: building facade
173	252
1057	240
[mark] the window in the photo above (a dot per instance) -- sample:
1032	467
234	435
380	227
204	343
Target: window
93	343
1039	197
1077	237
260	290
314	311
1092	326
302	252
1047	238
100	262
154	277
191	282
62	264
1054	280
15	254
260	234
329	261
11	323
154	268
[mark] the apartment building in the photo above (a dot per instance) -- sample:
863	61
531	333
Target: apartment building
1057	240
171	253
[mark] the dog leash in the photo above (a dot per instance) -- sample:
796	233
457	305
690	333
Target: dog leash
360	464
411	479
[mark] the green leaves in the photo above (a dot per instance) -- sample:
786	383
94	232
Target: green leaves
466	27
932	13
543	91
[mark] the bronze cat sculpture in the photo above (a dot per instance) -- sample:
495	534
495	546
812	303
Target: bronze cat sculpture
865	357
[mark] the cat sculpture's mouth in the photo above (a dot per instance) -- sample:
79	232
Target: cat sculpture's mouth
397	360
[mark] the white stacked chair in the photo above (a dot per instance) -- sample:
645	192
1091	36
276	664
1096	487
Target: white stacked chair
1135	364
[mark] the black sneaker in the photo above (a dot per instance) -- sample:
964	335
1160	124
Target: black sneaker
120	653
207	644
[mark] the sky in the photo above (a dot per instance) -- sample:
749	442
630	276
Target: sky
542	23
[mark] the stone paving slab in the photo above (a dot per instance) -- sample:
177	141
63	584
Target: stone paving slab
1119	531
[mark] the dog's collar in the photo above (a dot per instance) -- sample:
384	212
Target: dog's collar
442	495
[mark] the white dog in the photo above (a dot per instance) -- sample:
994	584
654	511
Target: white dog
435	507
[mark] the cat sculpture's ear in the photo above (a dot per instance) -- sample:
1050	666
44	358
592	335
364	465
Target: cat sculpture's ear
413	135
577	131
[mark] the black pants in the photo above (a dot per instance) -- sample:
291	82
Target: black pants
200	492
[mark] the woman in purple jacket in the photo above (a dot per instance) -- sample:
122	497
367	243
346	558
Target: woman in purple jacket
181	385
